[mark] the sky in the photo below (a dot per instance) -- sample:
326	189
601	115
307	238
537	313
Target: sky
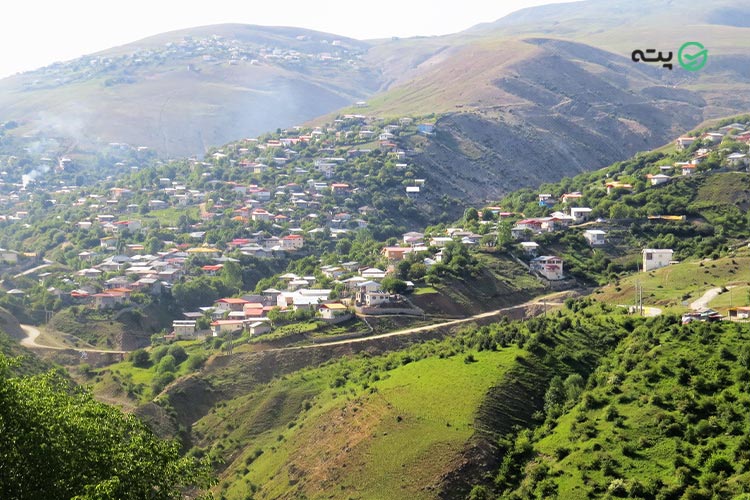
35	33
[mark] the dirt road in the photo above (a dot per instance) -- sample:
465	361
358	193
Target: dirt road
702	302
32	333
409	331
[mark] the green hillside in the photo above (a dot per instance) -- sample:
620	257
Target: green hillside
416	421
663	417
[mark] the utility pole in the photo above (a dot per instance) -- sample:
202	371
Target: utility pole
640	298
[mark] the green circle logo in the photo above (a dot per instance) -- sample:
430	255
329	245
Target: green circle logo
692	56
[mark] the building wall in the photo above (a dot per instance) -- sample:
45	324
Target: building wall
657	260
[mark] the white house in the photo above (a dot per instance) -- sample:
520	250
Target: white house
595	237
658	179
688	169
530	247
303	298
580	214
292	242
184	328
684	142
374	298
737	159
259	327
656	258
549	266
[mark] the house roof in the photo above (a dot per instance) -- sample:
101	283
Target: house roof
334	307
231	300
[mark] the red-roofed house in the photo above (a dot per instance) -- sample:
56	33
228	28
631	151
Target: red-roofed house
211	270
109	299
395	253
292	242
230	304
338	187
261	214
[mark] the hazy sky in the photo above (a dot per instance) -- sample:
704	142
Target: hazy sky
34	33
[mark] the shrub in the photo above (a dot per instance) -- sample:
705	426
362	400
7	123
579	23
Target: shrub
196	361
140	358
159	353
161	381
178	353
718	464
167	364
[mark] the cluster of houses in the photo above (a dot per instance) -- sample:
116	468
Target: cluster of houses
214	49
361	291
734	131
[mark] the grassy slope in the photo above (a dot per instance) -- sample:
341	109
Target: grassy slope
354	441
501	282
669	287
385	426
662	408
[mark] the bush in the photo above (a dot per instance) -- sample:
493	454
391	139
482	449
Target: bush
479	493
178	353
159	353
167	364
161	381
718	464
140	358
196	361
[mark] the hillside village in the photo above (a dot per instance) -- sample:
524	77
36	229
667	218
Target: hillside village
290	196
197	53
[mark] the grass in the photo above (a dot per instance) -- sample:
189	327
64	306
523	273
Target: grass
736	296
670	287
424	290
392	437
168	217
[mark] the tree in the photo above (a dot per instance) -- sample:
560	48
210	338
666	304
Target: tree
393	285
57	441
471	214
140	358
178	352
504	235
403	269
167	364
555	395
231	276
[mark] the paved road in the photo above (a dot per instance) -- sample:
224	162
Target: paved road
33	332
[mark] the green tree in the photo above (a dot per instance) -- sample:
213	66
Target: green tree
231	276
57	441
167	364
393	285
471	214
140	358
555	395
178	352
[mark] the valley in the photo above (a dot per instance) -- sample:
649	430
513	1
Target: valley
510	262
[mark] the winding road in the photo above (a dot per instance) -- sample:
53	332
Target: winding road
32	333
